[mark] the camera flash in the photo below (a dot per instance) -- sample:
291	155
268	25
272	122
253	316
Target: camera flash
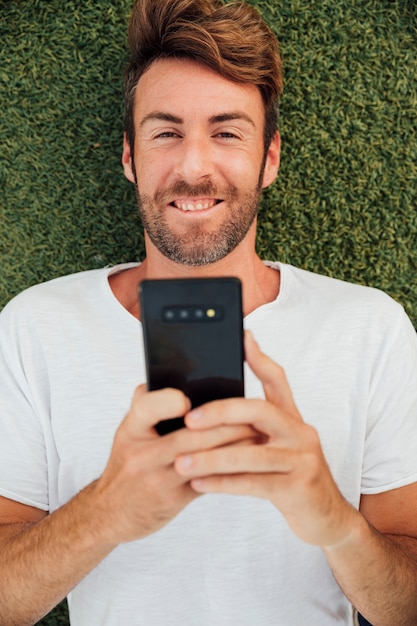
211	313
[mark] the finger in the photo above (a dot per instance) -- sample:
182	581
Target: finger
272	377
150	407
255	485
236	460
266	419
162	451
186	441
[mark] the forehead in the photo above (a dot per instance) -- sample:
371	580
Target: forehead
187	88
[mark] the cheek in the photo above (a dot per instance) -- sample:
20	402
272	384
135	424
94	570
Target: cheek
244	163
243	173
150	176
153	168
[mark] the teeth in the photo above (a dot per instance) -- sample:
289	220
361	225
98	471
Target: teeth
195	206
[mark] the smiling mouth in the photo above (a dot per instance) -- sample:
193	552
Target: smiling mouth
187	204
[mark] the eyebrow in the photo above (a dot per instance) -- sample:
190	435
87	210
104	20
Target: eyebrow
215	119
229	117
161	117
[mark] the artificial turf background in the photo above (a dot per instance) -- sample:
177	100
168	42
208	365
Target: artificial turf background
344	203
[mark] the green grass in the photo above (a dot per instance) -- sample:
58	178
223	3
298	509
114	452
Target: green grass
57	617
344	203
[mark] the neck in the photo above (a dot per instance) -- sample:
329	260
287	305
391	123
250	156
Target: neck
260	284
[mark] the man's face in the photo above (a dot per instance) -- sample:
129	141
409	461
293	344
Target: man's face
198	160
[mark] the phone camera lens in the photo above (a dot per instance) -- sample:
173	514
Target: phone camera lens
199	314
184	314
169	314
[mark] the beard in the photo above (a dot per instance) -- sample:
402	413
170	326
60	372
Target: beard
198	245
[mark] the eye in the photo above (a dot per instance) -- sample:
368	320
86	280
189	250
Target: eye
227	135
167	134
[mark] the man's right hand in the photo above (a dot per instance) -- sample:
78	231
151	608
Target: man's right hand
140	491
42	557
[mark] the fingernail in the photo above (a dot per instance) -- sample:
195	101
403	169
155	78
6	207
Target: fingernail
186	462
195	414
198	484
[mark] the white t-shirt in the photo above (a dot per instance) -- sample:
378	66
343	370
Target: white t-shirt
70	358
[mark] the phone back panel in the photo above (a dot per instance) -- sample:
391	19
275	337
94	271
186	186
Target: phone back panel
193	336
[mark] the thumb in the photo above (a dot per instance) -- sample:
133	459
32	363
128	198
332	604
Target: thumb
150	407
271	375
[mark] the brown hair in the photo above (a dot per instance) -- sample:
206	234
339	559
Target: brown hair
231	39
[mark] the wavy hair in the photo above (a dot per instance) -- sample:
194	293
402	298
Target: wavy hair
232	39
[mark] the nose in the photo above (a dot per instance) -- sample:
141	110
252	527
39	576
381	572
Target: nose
194	159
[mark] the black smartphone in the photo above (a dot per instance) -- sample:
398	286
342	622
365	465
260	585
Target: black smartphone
193	338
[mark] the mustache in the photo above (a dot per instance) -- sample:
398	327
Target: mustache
207	188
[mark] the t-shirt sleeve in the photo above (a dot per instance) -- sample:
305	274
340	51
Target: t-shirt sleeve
23	456
390	454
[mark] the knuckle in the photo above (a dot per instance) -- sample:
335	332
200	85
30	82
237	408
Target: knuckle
122	434
137	395
312	465
311	437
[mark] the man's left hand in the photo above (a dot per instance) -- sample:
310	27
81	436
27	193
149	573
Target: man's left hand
286	465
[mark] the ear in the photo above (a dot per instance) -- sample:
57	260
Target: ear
127	160
272	161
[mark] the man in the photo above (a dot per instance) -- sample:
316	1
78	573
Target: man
323	512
